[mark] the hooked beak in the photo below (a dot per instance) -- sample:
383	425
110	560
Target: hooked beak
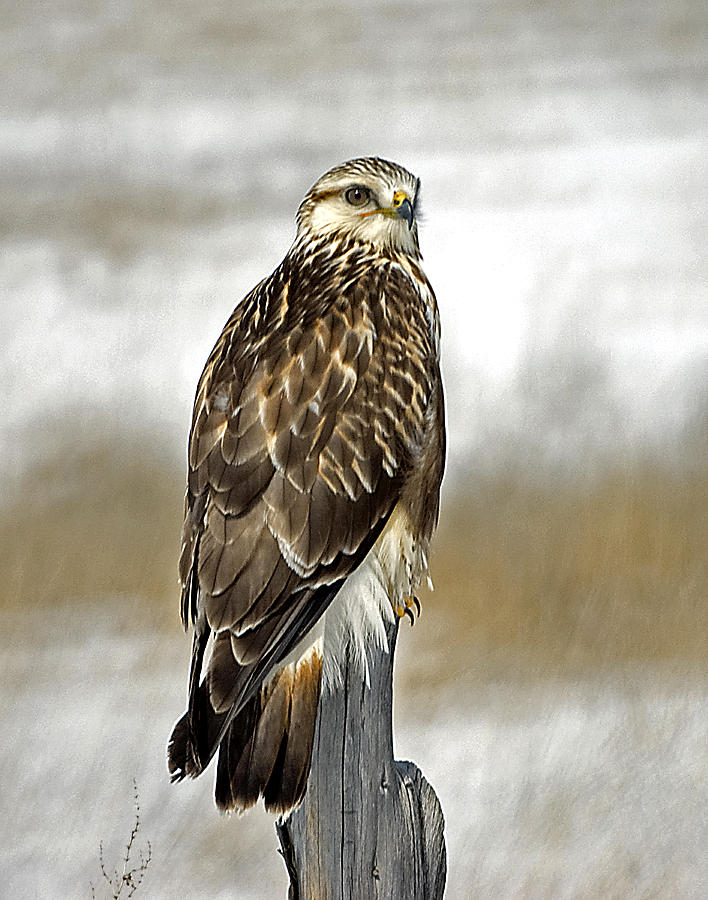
403	207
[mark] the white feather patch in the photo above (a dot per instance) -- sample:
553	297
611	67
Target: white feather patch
355	623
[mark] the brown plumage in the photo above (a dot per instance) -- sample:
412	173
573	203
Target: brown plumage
315	459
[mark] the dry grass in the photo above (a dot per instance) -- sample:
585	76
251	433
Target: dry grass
611	571
560	574
101	521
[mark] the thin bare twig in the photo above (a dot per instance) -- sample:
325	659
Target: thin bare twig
132	876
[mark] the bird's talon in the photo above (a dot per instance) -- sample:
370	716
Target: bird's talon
407	611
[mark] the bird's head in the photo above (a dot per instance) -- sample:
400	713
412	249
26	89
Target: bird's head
369	200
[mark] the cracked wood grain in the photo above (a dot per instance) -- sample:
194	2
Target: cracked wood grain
370	827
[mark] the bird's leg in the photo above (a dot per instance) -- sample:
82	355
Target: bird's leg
406	608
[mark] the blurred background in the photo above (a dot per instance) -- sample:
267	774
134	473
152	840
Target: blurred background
152	157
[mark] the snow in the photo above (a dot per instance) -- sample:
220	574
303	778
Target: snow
150	172
593	786
152	157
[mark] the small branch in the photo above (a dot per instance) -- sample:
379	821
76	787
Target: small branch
130	878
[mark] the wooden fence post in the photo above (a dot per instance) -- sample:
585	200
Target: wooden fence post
369	828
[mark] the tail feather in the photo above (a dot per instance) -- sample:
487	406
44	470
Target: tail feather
181	759
233	745
193	737
255	767
274	762
267	748
287	785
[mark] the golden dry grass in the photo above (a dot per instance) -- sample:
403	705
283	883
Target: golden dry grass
559	574
99	523
609	571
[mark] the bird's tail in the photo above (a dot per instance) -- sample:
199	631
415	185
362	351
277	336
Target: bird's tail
266	749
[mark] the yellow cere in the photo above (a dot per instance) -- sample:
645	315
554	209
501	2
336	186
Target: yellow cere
389	212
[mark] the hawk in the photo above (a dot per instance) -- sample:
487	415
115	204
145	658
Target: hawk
316	454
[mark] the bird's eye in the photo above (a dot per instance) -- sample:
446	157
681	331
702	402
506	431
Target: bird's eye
357	195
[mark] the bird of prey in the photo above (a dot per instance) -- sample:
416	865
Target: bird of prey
316	454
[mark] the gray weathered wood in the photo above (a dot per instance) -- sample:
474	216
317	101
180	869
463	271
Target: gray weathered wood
369	827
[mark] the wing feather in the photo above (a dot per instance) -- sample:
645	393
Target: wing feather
288	509
307	422
250	481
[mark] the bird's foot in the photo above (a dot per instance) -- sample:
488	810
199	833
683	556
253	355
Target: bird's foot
406	608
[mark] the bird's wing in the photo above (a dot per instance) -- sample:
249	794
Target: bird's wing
306	424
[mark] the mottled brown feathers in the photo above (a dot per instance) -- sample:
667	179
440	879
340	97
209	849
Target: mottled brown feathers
318	410
297	453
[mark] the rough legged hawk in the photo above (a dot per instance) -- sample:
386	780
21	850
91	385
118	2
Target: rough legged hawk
315	459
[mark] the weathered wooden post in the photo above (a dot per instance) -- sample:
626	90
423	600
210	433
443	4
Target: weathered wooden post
369	826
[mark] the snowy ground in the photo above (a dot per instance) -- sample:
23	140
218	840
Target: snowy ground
152	156
588	788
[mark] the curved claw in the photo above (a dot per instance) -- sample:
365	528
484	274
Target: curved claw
417	604
409	612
